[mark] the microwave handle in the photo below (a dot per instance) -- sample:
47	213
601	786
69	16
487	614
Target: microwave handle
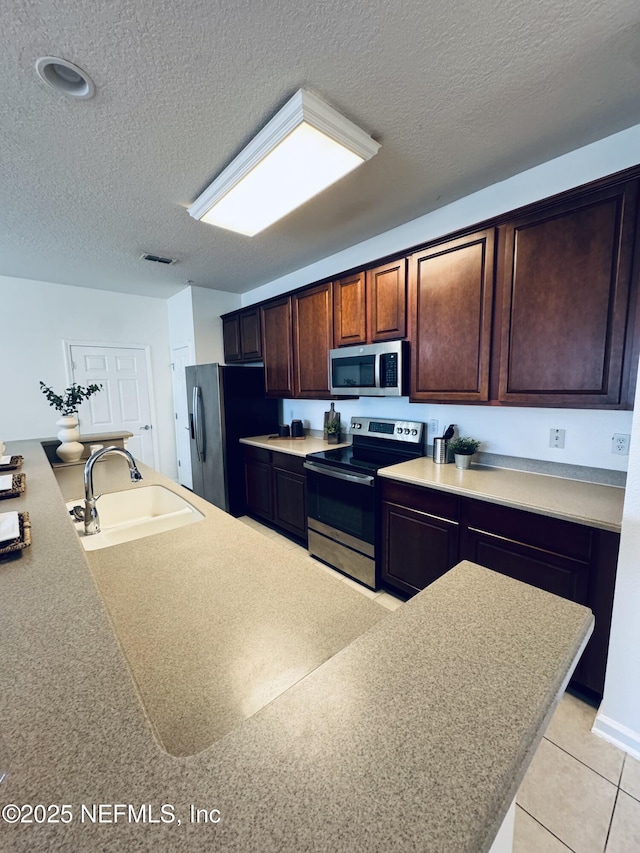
376	370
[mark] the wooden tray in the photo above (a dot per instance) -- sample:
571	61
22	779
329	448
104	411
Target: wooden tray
286	437
18	485
15	462
23	540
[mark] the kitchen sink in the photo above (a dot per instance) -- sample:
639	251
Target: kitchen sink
134	514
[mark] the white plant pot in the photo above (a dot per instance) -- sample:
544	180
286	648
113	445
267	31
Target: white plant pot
70	449
463	460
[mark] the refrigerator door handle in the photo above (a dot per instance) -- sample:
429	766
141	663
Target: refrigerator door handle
191	427
197	414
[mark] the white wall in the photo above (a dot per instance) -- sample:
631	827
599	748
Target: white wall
180	319
522	432
39	316
208	305
194	318
618	719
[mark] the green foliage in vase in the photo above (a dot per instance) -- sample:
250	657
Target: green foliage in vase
67	403
464	446
333	427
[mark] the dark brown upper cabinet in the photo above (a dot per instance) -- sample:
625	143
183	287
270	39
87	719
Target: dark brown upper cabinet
277	347
565	285
387	301
350	310
371	306
451	289
241	335
312	340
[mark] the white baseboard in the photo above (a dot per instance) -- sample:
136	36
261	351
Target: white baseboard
617	734
503	842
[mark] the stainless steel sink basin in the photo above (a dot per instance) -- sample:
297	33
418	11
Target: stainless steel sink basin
134	514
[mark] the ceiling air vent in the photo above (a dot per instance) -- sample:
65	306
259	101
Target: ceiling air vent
157	259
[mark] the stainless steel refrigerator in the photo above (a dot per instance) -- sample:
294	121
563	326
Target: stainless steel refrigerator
225	403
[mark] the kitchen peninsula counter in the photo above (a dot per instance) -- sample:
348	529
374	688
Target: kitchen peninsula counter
582	502
415	736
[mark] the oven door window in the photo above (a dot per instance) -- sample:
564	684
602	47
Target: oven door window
354	371
345	506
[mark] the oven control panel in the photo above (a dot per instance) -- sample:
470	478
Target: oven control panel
411	431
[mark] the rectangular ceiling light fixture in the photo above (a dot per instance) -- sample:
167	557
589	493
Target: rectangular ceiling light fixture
306	147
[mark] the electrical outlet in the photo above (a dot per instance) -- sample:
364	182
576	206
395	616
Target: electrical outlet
620	444
556	438
433	427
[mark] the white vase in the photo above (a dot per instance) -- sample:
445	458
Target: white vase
463	460
70	450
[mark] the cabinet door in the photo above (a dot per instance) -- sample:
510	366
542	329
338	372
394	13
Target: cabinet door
277	348
258	487
231	338
602	580
386	301
417	548
349	310
451	299
312	340
250	338
565	288
419	538
290	505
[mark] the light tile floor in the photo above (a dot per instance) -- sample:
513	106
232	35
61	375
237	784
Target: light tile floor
580	795
384	598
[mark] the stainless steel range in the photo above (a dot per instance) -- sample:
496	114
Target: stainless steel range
341	493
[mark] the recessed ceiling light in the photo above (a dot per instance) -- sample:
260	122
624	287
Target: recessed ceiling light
305	148
65	77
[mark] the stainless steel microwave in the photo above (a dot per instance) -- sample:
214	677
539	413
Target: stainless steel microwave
370	370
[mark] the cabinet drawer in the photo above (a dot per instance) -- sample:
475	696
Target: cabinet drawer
549	534
432	501
257	454
288	462
538	567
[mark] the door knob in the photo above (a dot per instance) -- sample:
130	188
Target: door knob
146	426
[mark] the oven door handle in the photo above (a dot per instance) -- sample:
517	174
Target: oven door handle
360	479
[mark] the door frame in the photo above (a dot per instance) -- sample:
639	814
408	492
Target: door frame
188	345
68	363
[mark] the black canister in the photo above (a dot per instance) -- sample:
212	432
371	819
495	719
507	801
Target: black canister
297	430
284	431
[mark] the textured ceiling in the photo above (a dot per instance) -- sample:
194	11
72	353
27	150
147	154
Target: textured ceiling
459	95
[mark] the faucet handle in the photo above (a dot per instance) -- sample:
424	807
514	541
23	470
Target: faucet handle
77	512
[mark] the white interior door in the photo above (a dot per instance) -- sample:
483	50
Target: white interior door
124	402
180	358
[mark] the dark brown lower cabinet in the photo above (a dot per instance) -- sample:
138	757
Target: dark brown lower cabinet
419	536
289	494
276	489
426	532
257	478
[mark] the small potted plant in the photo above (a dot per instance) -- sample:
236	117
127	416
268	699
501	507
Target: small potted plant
463	448
70	449
333	431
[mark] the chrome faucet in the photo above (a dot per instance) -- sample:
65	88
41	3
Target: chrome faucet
90	515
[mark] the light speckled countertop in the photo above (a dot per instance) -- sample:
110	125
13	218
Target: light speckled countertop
572	500
413	737
292	446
